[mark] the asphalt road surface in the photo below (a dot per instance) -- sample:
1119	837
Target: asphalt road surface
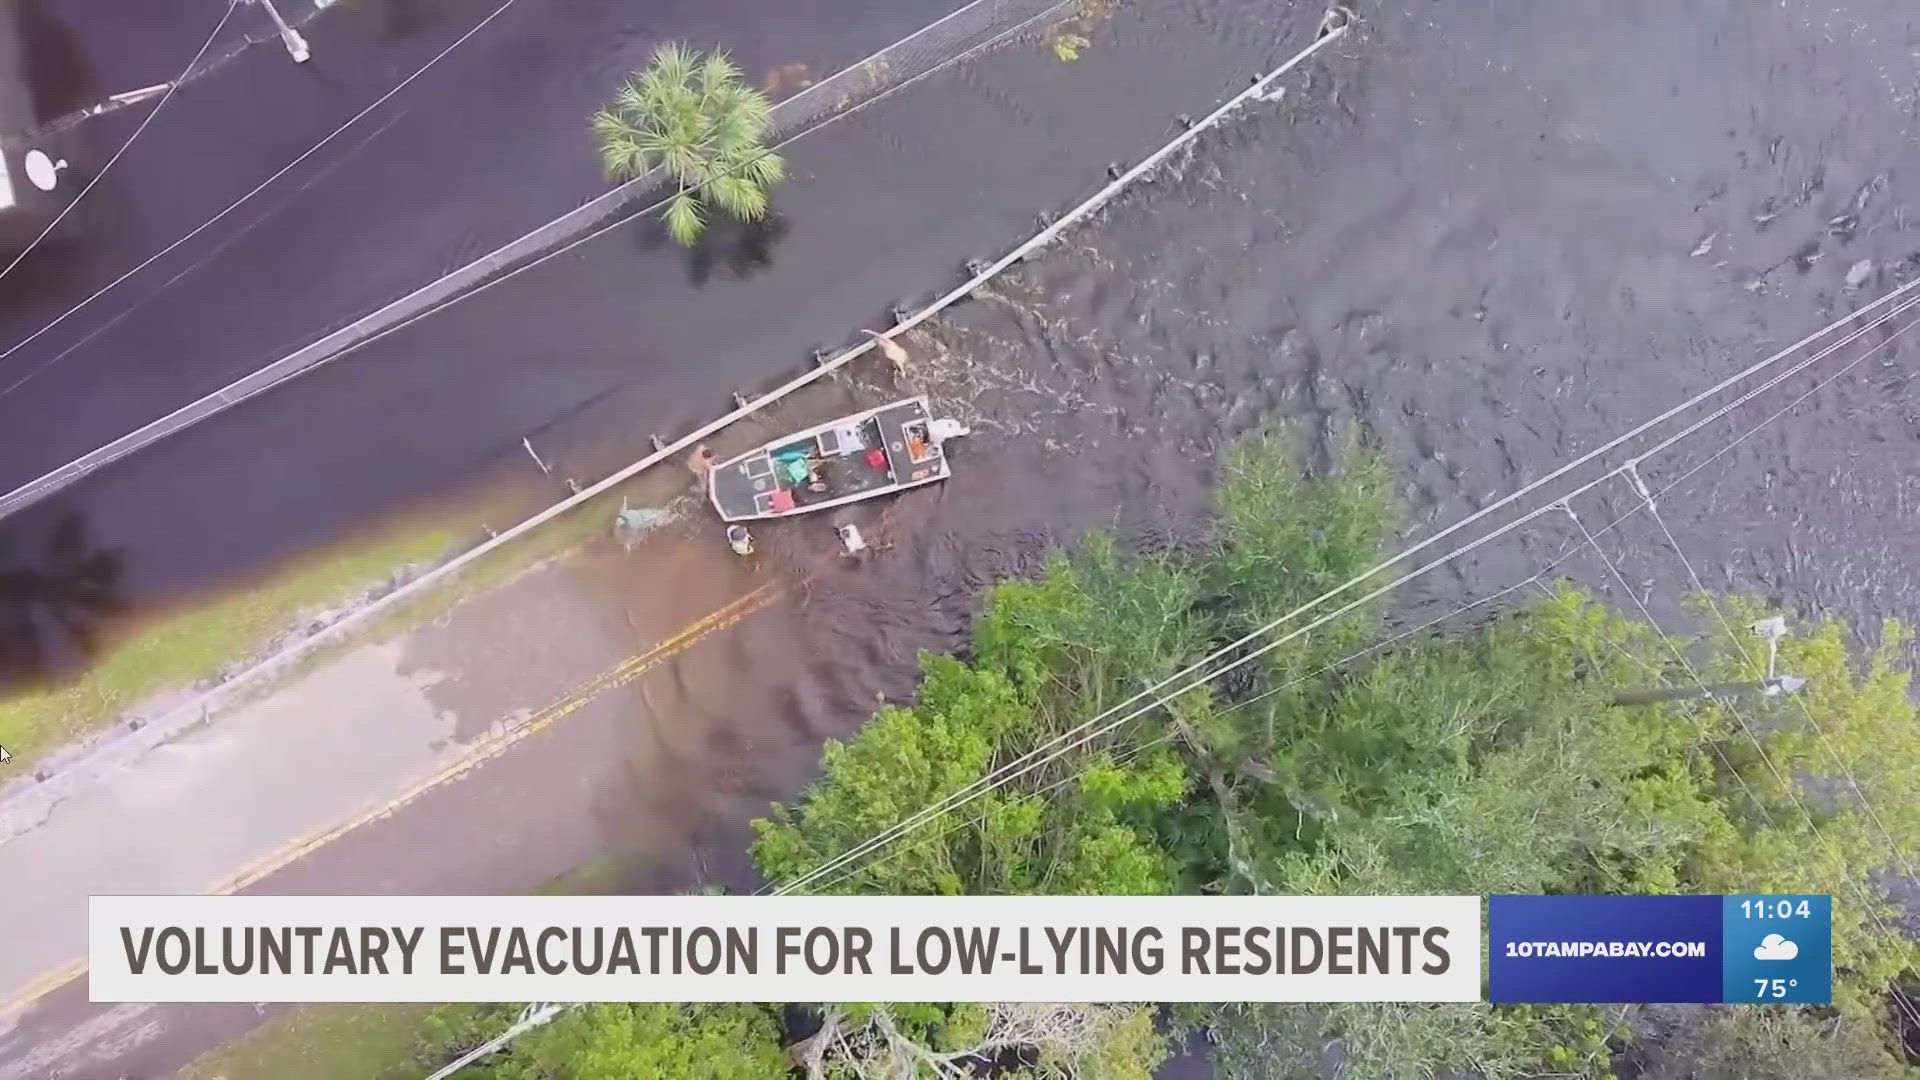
587	353
487	144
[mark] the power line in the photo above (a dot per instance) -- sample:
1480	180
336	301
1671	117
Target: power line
1013	769
626	218
1649	503
497	279
1121	758
1590	540
231	207
914	820
1387	642
1139	748
1746	728
1678	654
1901	1002
172	87
206	406
1797	698
1539	576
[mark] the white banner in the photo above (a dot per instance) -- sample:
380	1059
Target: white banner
789	948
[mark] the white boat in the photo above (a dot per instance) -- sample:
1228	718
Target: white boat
861	456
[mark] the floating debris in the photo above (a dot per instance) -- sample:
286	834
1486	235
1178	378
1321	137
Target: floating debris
634	522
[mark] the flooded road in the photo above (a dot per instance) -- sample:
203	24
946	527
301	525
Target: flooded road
1488	238
1479	239
490	141
1493	239
626	335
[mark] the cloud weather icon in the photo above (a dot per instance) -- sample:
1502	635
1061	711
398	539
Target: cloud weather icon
1775	947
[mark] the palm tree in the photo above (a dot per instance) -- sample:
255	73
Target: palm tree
690	114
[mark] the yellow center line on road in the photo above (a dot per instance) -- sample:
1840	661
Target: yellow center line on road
481	752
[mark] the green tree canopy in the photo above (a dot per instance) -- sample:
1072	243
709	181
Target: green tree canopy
1768	1042
1468	760
691	114
622	1041
1350	760
1080	825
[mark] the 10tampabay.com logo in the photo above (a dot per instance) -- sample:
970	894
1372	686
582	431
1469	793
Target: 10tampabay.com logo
1660	949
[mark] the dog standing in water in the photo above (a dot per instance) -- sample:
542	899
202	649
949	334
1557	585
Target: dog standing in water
892	350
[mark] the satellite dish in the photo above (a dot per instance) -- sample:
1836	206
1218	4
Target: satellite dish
43	170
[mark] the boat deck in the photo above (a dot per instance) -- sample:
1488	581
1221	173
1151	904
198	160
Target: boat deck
848	459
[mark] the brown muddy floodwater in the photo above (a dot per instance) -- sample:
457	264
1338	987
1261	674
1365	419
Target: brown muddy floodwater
1486	239
1489	241
1488	235
1489	238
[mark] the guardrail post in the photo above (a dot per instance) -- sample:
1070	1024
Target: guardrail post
296	45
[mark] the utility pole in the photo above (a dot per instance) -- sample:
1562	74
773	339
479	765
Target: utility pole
1772	685
296	45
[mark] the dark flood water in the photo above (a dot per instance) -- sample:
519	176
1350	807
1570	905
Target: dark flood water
1488	236
484	145
625	335
1481	239
1471	239
1478	237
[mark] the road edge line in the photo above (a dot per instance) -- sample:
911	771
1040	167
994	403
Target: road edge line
481	752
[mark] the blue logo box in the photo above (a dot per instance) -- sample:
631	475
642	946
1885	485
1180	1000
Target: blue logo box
1600	949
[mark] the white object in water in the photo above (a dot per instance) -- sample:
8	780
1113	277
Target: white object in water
740	540
851	539
943	429
43	170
